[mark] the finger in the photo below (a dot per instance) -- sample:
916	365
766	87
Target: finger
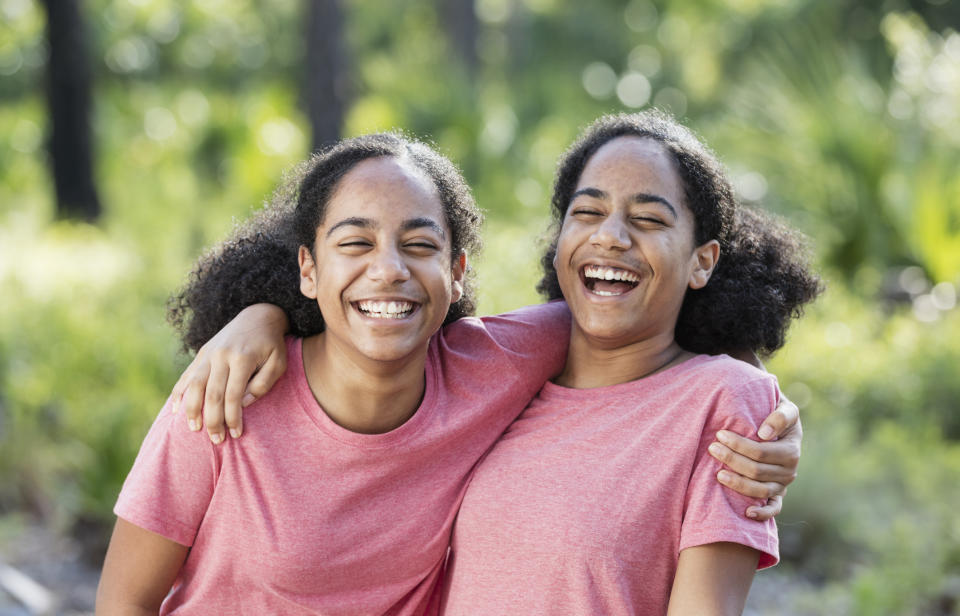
783	417
750	468
749	487
192	402
265	378
213	400
240	372
176	395
763	513
785	452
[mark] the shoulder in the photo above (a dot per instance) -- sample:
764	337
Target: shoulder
537	324
745	394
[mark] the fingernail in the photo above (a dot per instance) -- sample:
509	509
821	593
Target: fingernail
765	432
724	477
216	437
247	400
714	448
193	424
234	432
724	437
752	514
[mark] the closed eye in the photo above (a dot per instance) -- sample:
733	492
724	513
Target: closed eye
585	212
421	246
355	244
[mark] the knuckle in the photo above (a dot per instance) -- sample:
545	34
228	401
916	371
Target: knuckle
257	388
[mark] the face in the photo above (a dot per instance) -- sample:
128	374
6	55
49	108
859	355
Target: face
381	271
626	252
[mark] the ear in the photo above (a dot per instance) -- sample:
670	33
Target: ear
705	259
457	270
308	273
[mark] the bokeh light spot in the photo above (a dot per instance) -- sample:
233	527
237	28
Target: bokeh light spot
640	15
599	80
633	90
159	124
645	59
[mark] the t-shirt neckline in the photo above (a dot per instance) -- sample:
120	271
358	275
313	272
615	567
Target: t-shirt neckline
552	390
315	412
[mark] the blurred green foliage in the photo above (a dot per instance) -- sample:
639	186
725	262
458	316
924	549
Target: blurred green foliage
844	117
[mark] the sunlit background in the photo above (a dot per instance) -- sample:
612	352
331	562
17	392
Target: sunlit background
842	116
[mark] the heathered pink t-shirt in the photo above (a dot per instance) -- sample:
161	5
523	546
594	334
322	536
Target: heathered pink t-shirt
583	505
301	516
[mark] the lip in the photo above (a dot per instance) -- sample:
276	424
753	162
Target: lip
386	320
608	263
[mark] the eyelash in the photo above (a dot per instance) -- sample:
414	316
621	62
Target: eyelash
364	243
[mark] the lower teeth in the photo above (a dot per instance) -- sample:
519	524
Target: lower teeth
386	315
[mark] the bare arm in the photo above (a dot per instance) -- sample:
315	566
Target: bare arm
235	367
138	572
712	580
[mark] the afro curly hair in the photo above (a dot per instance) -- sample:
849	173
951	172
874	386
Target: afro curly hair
763	277
258	263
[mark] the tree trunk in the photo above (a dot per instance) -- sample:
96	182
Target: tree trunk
460	21
69	84
326	83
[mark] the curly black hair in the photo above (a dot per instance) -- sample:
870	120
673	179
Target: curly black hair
258	263
763	276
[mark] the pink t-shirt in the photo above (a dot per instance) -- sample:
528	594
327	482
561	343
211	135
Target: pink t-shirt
301	516
583	505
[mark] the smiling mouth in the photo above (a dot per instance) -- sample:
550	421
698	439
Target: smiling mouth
386	309
608	281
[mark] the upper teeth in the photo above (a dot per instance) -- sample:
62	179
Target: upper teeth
609	273
389	309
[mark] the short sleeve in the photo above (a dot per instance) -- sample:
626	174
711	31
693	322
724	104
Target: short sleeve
172	480
712	512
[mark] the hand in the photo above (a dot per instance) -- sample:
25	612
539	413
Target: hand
232	370
762	469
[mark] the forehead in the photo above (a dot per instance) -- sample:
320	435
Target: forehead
385	189
634	165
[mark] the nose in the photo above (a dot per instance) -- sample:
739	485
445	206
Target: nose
611	234
387	265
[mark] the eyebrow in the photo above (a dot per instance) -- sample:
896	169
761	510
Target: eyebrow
642	197
408	225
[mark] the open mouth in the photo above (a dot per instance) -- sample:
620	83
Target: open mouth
608	281
386	309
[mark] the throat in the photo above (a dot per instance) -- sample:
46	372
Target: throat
359	401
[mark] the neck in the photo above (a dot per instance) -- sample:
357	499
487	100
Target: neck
591	363
360	394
